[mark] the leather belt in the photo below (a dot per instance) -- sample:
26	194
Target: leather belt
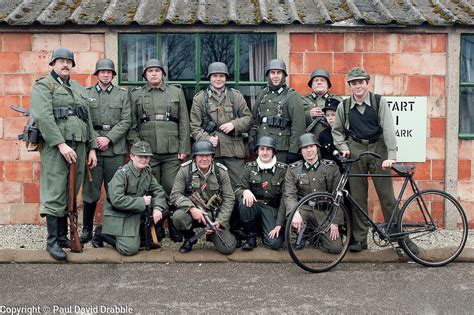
102	127
161	118
366	141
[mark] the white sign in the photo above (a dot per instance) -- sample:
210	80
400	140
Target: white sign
409	118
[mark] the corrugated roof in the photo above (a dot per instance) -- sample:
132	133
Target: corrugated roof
240	12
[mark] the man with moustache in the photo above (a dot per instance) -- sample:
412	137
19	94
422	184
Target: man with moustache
160	117
60	108
278	112
110	114
209	181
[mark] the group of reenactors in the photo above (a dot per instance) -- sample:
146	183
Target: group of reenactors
209	186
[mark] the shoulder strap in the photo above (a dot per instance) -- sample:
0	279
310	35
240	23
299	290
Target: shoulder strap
325	174
347	107
235	110
189	180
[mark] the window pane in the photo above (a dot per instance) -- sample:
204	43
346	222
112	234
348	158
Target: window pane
467	59
256	50
136	50
217	47
178	55
250	93
466	110
189	92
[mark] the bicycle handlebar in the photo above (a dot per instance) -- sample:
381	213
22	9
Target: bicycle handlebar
337	154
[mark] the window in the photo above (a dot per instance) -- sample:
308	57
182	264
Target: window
187	56
466	104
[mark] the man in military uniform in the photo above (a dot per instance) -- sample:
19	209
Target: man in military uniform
131	190
318	99
260	196
307	176
278	112
208	181
220	114
110	113
160	117
364	123
59	107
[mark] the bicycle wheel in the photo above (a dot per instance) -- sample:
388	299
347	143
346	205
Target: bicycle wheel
310	247
436	228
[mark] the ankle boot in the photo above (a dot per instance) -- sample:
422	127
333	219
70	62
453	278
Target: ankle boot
88	221
187	244
109	239
97	240
174	233
52	245
250	229
63	240
250	243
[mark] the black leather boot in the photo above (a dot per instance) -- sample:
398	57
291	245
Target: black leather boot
52	245
187	244
63	240
251	231
174	233
109	239
97	240
88	221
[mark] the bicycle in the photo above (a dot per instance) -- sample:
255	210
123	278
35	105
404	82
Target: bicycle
426	221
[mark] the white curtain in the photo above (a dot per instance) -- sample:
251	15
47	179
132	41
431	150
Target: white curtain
259	55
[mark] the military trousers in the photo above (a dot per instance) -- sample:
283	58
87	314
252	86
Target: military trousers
185	222
103	172
267	215
54	178
164	168
317	217
128	244
359	185
235	167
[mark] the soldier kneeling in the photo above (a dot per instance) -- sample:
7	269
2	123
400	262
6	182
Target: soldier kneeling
203	196
131	190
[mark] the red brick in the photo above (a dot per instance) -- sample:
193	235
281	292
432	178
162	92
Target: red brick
5	217
343	63
435	148
31	192
13	126
25	213
464	170
9	62
433	64
83	79
466	190
25	101
302	42
387	84
387	43
438	86
430	184
299	83
416	42
27	155
436	106
354	42
468	207
19	171
437	127
17	42
406	64
313	61
10	192
437	169
466	149
36	171
6	102
18	84
34	62
339	84
416	86
296	63
438	43
377	63
9	151
1	171
1	127
85	61
423	170
330	42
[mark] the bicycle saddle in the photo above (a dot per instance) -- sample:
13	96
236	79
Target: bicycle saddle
403	169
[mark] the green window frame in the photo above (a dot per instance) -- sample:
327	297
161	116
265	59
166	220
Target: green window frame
466	88
198	82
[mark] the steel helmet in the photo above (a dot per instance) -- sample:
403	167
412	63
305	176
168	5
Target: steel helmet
276	64
307	139
153	63
217	67
104	64
266	141
319	73
62	53
202	147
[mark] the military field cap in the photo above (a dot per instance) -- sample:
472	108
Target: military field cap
357	73
141	148
307	139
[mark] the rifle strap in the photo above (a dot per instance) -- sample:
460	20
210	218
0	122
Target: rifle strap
154	237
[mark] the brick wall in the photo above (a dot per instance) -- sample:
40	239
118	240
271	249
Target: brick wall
399	65
23	58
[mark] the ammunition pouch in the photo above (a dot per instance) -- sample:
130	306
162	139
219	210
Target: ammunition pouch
165	117
209	126
31	136
103	127
276	121
82	112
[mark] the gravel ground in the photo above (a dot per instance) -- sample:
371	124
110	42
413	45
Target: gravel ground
34	237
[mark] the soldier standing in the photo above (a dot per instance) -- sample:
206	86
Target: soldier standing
160	117
208	180
59	107
278	112
110	114
317	100
307	176
131	190
260	196
220	114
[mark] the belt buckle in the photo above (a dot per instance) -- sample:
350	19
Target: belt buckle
264	119
158	117
364	141
106	127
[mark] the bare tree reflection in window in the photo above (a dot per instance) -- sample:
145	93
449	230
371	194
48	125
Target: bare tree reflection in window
177	53
217	47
